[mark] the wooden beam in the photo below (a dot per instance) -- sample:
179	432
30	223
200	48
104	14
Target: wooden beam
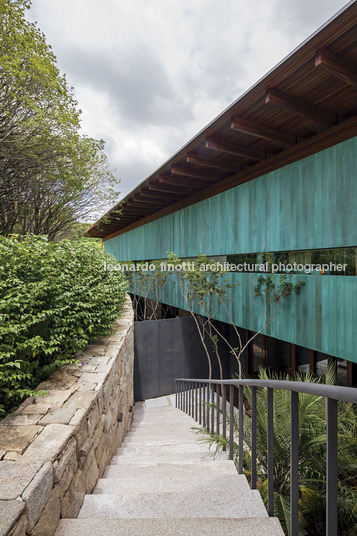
152	201
157	187
312	362
139	204
338	67
178	170
260	131
300	107
212	163
232	148
293	360
129	211
183	181
351	374
276	355
158	196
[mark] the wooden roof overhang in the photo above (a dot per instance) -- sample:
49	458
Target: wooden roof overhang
307	103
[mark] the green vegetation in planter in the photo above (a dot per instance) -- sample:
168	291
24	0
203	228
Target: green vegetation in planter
54	299
312	456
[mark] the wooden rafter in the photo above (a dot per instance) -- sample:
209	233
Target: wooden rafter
139	204
150	195
213	163
260	131
153	201
337	66
179	170
232	148
183	190
136	210
297	106
183	181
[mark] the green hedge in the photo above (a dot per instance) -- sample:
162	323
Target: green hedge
54	299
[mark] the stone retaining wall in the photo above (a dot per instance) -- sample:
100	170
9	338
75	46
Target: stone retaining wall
54	448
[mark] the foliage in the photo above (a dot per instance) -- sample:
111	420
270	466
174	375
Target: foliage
54	299
148	288
77	232
206	291
50	174
312	456
274	290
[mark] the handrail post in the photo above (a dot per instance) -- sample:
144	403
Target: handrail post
186	397
203	405
212	407
331	471
270	452
218	408
224	413
200	403
193	399
241	431
294	465
254	438
207	408
183	396
231	419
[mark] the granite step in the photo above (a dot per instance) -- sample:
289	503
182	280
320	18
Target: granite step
198	503
163	481
172	527
152	457
172	478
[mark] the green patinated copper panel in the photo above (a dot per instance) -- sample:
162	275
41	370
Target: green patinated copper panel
310	204
322	316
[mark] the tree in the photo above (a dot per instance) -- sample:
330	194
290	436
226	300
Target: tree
206	292
50	174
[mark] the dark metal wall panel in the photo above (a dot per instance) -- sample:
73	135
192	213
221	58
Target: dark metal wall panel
165	350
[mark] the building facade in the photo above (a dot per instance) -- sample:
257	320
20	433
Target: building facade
275	174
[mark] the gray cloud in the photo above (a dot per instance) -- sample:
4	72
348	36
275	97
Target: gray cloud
136	83
149	75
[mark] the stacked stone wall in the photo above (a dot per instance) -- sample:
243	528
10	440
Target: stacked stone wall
54	448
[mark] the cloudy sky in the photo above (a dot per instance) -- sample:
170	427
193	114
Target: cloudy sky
148	74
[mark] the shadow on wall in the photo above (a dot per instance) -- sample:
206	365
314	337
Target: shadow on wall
169	349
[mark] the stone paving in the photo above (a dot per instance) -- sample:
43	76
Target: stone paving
164	482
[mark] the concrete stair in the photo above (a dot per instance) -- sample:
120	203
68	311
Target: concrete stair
164	482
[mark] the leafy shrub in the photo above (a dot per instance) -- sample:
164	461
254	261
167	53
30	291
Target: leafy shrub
54	299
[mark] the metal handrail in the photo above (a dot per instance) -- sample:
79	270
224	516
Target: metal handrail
192	392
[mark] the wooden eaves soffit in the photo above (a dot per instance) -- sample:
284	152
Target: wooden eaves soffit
307	103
